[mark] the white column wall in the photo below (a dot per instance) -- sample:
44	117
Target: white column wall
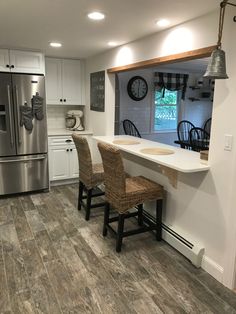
203	205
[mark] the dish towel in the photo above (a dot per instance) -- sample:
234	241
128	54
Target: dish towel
37	106
26	117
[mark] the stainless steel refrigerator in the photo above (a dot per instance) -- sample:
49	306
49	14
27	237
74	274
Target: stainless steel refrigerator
23	134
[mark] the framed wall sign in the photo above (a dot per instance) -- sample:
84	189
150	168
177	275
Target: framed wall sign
97	91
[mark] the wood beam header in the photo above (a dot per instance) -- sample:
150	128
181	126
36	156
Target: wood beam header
179	57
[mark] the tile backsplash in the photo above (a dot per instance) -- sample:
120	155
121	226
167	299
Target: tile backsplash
56	115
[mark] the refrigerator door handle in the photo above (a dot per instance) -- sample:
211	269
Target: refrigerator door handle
18	116
10	115
22	160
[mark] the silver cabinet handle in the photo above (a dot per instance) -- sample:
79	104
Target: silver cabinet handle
10	115
18	116
22	160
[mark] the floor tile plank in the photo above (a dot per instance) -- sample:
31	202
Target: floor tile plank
4	292
43	295
32	259
35	221
45	245
26	203
22	227
6	215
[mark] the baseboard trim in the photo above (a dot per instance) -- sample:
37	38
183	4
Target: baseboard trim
64	182
211	267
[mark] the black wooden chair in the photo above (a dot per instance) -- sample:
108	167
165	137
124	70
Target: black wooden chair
130	128
183	132
207	126
199	139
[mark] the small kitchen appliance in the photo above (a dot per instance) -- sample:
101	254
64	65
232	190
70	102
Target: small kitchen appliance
73	120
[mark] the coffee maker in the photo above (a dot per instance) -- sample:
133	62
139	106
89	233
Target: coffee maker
73	120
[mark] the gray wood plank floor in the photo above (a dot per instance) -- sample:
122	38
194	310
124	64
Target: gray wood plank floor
53	261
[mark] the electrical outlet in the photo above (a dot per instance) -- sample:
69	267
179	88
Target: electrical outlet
228	142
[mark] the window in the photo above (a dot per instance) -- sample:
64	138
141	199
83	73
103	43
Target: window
165	110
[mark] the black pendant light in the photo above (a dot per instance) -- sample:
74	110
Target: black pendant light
216	68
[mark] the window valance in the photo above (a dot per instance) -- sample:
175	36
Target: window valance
170	81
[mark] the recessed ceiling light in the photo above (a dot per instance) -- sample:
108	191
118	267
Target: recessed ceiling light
112	43
96	16
162	22
55	45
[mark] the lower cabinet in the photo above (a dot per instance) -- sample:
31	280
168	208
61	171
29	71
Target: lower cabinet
63	160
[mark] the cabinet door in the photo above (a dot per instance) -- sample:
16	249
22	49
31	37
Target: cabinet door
53	81
59	163
27	62
74	165
71	83
4	60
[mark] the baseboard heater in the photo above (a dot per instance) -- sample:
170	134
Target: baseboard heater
192	251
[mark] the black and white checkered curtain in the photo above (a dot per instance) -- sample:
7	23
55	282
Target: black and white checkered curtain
170	81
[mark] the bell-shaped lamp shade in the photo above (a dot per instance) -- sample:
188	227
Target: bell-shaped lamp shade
216	68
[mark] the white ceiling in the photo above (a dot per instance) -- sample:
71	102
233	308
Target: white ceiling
32	24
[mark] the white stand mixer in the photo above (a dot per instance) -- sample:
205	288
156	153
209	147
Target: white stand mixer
76	115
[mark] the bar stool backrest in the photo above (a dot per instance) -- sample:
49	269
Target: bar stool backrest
85	160
113	169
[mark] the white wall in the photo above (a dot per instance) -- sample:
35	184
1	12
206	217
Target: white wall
203	206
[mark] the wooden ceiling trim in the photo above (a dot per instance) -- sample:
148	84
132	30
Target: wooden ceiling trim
179	57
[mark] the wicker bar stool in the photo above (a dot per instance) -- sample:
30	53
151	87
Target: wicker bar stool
90	176
123	193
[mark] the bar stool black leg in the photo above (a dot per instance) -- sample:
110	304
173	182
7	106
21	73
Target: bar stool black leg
106	218
81	188
140	214
158	219
120	230
88	205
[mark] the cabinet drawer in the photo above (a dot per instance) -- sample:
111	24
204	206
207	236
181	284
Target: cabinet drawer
66	140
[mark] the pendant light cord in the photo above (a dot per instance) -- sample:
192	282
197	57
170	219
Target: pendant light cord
221	21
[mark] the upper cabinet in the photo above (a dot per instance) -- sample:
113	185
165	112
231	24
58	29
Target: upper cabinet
17	61
63	82
27	62
4	60
53	81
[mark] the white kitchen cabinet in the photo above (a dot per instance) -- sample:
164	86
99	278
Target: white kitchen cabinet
59	163
63	82
71	81
53	81
27	62
74	166
63	160
4	60
17	61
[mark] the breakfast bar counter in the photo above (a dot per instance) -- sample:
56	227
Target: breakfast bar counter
182	160
170	159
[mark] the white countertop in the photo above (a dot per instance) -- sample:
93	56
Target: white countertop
61	132
182	160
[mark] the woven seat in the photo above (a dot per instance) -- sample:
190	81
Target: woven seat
90	175
124	193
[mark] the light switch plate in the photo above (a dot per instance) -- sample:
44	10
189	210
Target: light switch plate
228	142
